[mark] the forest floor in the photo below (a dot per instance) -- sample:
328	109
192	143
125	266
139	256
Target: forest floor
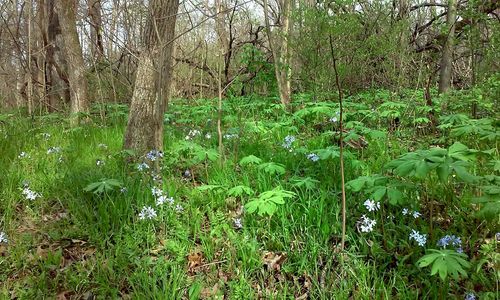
80	220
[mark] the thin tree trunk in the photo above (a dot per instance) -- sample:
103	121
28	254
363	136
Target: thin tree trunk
447	58
341	144
96	43
73	52
280	56
154	73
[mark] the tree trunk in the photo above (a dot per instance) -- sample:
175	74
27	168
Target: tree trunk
447	58
96	43
79	102
154	73
280	56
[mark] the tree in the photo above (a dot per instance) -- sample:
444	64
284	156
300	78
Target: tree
447	57
279	50
79	102
154	73
95	16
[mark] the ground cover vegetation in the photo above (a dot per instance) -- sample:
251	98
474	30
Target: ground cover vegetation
327	150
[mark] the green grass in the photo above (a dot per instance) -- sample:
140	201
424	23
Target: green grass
78	244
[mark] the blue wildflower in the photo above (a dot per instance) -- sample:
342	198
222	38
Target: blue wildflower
153	155
421	239
287	143
451	240
313	157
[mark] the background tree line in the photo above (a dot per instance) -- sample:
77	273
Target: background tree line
56	54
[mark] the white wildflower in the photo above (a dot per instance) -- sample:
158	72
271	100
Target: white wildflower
156	192
3	238
23	155
366	224
147	212
371	205
29	194
230	136
237	223
164	199
179	208
192	134
53	150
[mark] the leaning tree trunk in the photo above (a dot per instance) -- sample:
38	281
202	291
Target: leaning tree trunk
73	51
145	124
447	58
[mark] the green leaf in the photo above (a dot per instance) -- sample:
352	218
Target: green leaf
104	185
422	169
250	160
239	190
445	262
443	171
266	203
272	168
379	193
405	168
306	182
210	187
394	195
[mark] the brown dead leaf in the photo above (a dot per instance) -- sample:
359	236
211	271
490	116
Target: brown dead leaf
64	295
159	248
211	293
273	260
56	216
304	283
42	251
195	260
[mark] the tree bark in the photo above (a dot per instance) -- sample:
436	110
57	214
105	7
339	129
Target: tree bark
280	56
447	57
154	73
79	102
96	43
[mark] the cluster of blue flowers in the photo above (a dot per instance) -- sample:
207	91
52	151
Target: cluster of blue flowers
230	136
153	155
287	143
421	239
451	240
142	167
335	118
313	157
470	296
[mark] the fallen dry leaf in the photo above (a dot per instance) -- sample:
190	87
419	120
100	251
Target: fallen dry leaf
273	260
304	282
211	293
194	260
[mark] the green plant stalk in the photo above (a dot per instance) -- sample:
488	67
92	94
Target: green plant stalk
337	81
